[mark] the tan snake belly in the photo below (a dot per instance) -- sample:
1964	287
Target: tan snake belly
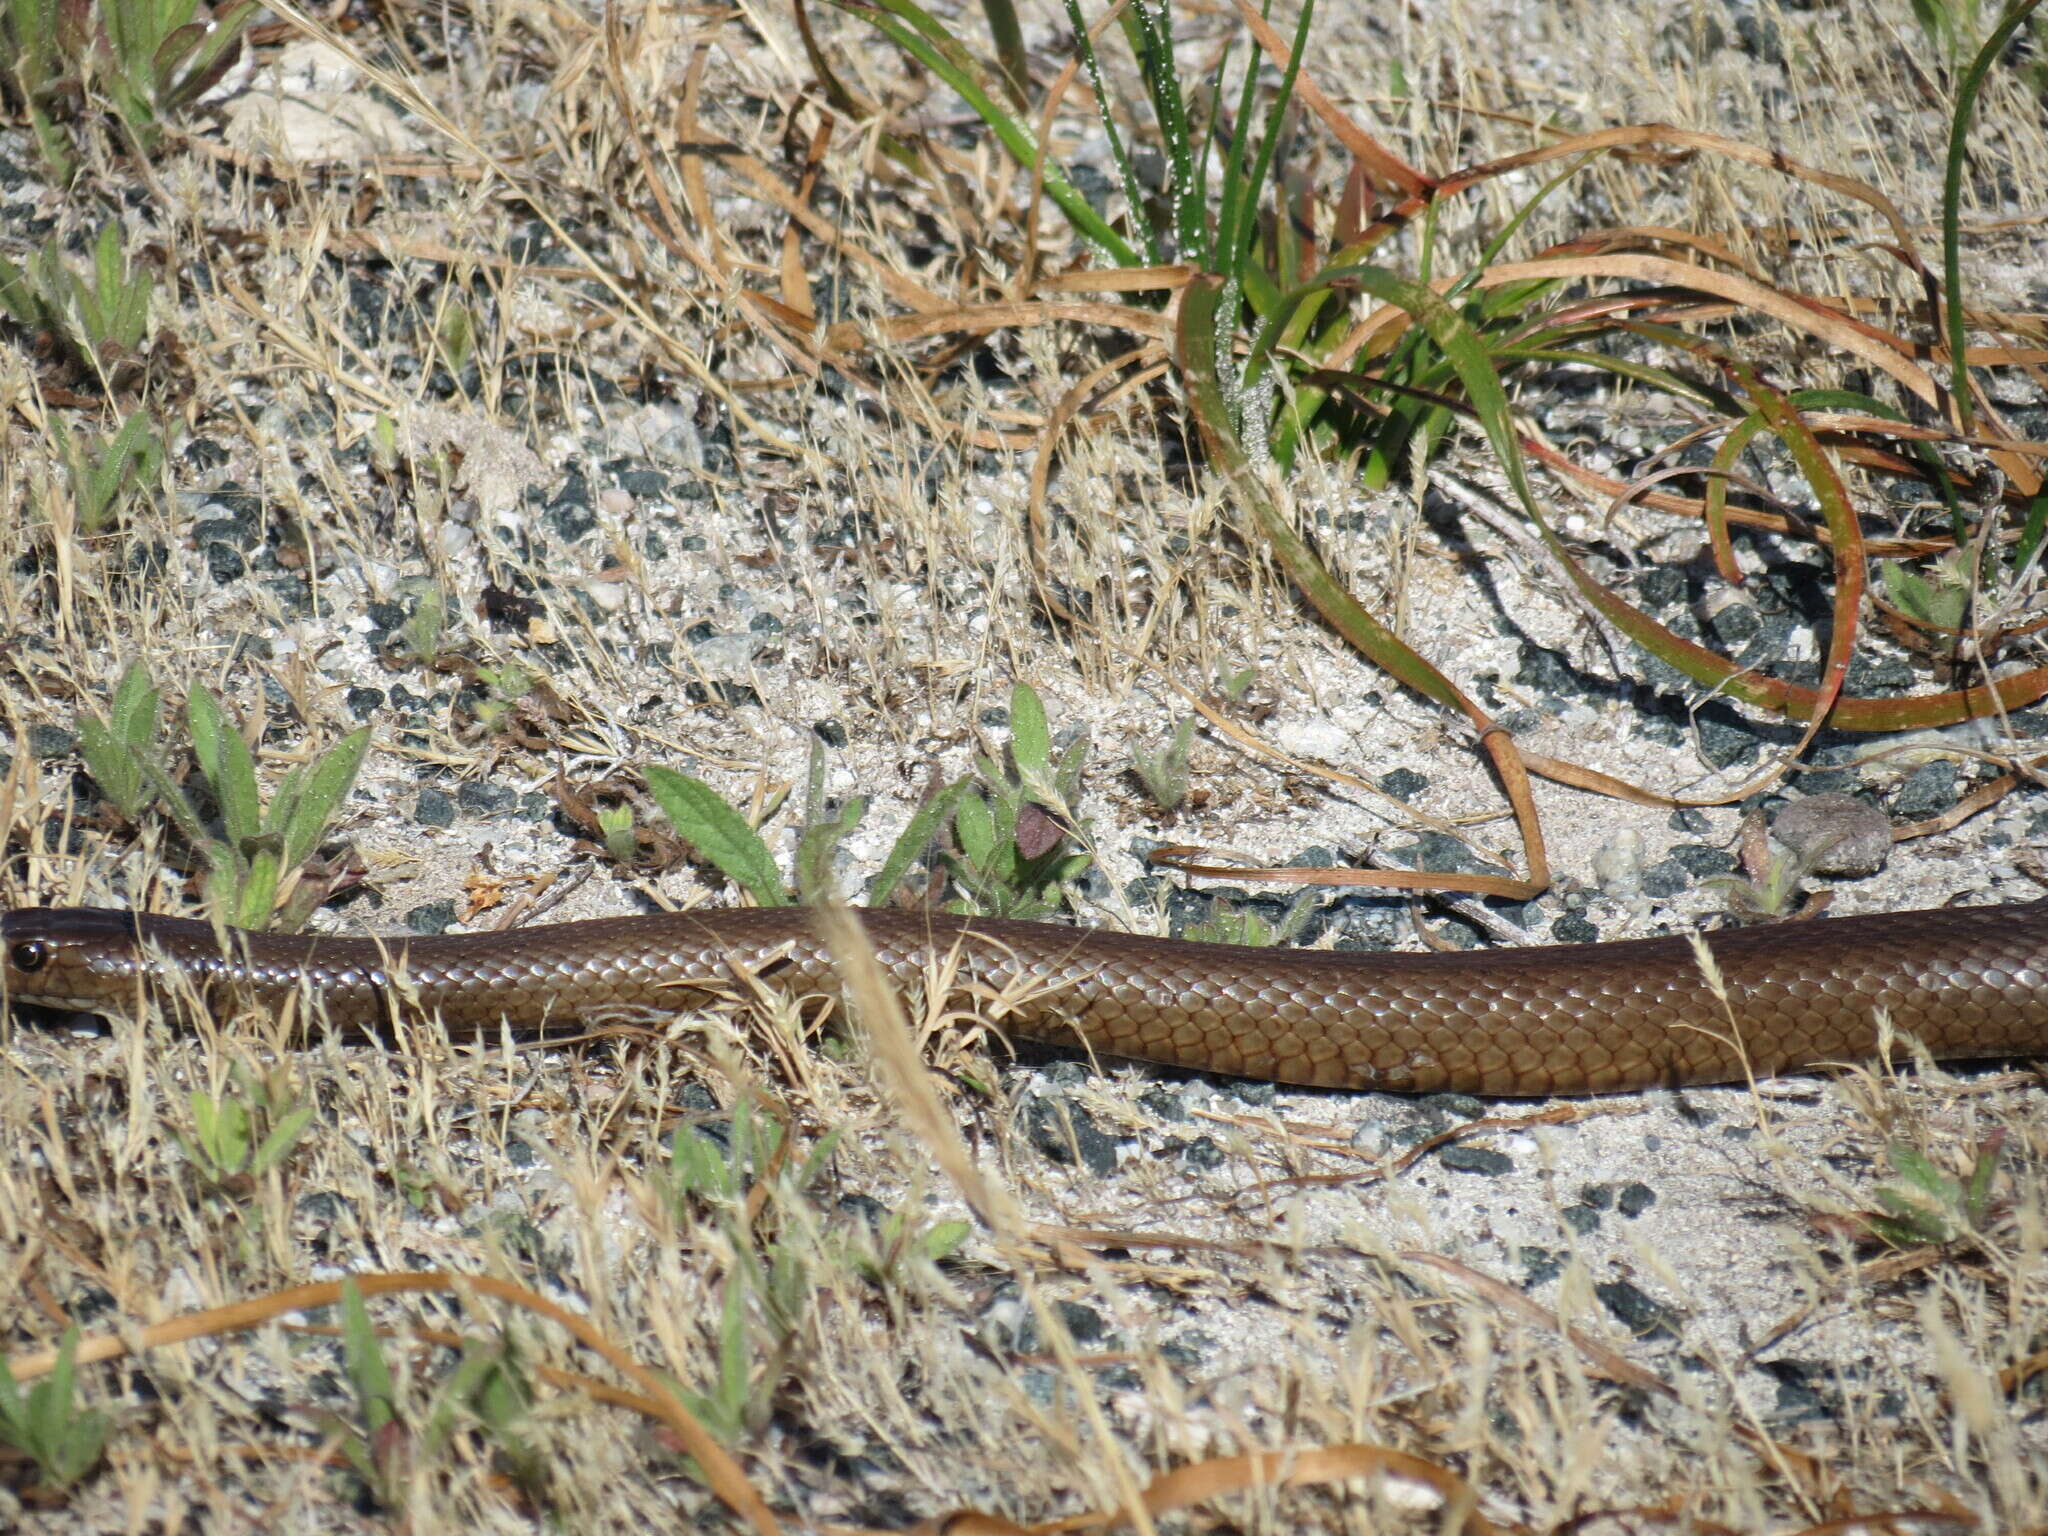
1966	982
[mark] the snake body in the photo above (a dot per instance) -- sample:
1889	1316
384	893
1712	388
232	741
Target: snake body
1583	1018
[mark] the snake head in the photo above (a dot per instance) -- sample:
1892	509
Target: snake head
66	957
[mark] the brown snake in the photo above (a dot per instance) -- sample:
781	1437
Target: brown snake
1585	1018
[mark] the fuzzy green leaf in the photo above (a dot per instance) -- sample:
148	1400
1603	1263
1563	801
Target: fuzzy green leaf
718	832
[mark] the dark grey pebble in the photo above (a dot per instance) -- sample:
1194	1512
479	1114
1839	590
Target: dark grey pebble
431	917
1468	1159
1062	1130
1645	1318
48	741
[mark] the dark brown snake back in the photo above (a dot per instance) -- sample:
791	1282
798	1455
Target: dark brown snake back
1967	982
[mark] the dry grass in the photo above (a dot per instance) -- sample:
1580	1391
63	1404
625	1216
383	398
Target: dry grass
1264	1278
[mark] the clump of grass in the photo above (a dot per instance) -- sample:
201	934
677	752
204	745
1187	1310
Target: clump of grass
245	1132
98	319
488	1390
254	853
1929	1207
1164	772
109	474
64	1439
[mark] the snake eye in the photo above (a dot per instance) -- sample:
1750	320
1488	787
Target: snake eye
29	956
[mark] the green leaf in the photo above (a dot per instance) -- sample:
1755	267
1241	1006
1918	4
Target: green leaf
1977	1195
1915	1166
282	1138
134	713
176	803
718	832
112	766
915	837
326	785
362	1355
698	1165
229	768
974	826
944	1238
1030	737
255	895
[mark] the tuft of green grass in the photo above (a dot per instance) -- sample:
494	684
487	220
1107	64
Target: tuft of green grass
1226	924
489	1390
243	1133
1927	1206
99	319
109	474
1164	772
63	1439
253	852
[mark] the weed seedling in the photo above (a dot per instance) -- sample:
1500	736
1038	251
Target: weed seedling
63	1439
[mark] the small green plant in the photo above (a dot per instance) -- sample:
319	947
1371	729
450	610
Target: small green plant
115	749
489	1389
426	626
1932	1207
43	42
615	827
1226	924
255	858
105	481
719	1171
244	1133
1011	827
163	55
504	686
904	1233
63	1439
1235	685
722	835
455	338
768	1286
1940	599
369	1446
100	320
1164	773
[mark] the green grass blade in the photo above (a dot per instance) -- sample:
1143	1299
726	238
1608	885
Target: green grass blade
1134	190
1008	39
1015	137
363	1358
1275	117
1952	203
